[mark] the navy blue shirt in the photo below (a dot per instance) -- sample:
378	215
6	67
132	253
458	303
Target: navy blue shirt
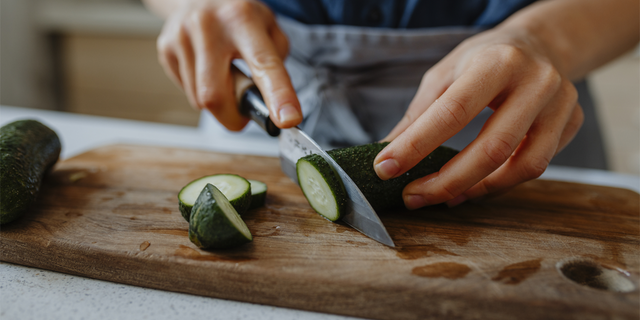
398	13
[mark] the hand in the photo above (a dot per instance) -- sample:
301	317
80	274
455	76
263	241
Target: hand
535	115
198	43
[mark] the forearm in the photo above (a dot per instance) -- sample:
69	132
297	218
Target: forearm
580	35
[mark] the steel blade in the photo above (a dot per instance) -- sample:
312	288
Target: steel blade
295	144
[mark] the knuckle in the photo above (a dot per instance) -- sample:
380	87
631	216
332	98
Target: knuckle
549	77
163	44
534	167
448	192
237	11
210	98
510	55
569	91
450	114
487	186
417	149
199	17
499	148
265	60
577	119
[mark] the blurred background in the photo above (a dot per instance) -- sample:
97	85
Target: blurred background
99	57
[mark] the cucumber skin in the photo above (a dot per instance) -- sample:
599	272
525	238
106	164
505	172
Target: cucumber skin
28	149
258	200
241	204
209	227
333	180
357	162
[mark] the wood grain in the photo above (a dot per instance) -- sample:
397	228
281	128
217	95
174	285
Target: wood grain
112	214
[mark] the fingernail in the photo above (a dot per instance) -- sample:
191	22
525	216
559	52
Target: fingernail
288	113
456	201
414	201
387	169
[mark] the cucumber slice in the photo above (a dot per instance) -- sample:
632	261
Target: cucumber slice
321	186
236	188
258	193
215	223
28	149
357	162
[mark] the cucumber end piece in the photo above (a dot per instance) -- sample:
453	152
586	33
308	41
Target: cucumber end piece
322	187
215	223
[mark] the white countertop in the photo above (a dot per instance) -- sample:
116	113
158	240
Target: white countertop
28	293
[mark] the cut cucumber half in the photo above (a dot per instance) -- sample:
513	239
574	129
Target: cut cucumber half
236	188
321	186
215	223
258	193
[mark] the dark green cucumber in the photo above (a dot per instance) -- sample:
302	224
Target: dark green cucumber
357	162
28	150
236	188
258	193
322	186
215	223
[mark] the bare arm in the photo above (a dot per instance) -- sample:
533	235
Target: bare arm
581	35
522	69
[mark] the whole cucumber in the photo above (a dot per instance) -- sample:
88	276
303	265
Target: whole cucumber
28	149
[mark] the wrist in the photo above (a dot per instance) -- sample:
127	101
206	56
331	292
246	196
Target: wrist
534	28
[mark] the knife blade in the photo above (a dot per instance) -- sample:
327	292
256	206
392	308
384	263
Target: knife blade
295	144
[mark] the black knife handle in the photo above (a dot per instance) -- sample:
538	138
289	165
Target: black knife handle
250	102
252	106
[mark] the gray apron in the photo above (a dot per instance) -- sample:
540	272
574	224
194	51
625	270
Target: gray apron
355	84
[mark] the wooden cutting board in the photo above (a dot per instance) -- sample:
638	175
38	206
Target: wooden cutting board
112	214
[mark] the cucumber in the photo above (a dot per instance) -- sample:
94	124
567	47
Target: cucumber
29	149
322	186
215	223
236	188
357	162
258	193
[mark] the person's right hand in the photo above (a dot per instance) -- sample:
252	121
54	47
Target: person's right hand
199	42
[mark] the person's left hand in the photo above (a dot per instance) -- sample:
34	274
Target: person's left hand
536	114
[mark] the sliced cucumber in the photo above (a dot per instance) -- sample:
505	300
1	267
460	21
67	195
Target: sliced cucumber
236	188
258	193
357	162
321	186
215	223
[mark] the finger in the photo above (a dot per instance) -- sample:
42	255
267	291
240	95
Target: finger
267	68
432	86
280	41
186	63
572	127
457	106
213	81
169	62
495	144
536	150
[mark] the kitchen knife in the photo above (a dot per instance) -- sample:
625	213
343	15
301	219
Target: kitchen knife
295	144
